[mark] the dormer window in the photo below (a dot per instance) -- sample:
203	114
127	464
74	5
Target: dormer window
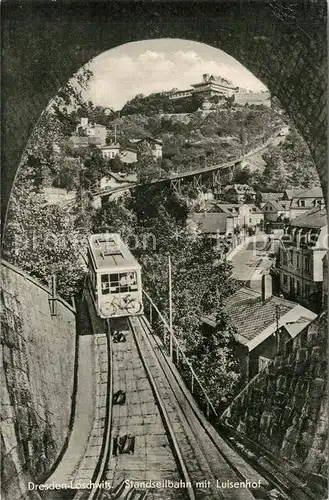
301	203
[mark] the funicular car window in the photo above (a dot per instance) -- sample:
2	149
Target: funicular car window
119	283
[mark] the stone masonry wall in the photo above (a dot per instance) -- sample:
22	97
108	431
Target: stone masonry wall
38	352
284	408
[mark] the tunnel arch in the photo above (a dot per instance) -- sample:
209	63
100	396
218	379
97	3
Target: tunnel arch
282	45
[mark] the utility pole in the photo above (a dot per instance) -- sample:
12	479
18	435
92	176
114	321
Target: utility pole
170	310
277	317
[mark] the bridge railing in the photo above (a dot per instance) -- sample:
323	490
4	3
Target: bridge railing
173	347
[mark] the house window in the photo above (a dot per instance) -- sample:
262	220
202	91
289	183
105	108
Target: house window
292	284
298	287
298	261
306	264
284	258
307	290
285	280
291	258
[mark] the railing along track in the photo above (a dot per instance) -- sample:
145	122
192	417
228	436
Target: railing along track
211	434
165	417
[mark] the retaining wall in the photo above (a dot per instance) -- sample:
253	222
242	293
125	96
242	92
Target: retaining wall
284	408
38	352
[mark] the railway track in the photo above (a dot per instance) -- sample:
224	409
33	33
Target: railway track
141	422
210	463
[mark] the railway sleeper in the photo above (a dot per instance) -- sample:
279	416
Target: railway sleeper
119	398
124	444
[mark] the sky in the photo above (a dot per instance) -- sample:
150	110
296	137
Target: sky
155	65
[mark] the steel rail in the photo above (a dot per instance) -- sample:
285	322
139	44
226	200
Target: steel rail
201	419
165	416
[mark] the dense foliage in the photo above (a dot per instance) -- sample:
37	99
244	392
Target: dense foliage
201	283
46	239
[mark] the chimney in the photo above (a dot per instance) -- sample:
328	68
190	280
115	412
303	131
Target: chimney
266	287
205	77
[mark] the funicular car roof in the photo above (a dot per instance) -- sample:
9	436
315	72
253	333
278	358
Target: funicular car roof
120	259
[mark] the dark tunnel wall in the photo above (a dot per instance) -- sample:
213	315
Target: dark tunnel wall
44	43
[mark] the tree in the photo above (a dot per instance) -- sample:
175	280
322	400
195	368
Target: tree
43	239
116	165
274	173
242	175
298	161
200	284
95	167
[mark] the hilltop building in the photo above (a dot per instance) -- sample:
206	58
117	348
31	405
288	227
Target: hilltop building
243	98
89	134
212	86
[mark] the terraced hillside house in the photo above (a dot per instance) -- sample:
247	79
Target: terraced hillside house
301	258
154	146
126	155
263	324
94	131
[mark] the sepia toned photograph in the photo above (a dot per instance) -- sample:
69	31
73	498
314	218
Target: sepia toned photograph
164	273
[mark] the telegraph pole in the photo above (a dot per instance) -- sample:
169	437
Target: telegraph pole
170	310
277	317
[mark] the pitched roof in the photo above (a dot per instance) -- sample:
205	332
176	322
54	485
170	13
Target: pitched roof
315	192
277	205
314	218
254	208
209	222
115	145
291	193
255	320
151	139
271	196
233	208
227	208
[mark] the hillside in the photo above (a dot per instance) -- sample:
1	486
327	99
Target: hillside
194	135
191	139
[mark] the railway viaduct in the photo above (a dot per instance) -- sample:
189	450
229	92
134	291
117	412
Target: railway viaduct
280	42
